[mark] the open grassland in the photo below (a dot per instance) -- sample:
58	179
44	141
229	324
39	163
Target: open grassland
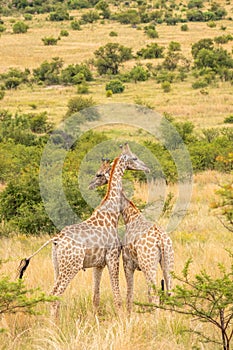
199	236
204	109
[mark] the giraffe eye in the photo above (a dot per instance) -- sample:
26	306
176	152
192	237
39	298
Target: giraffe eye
134	158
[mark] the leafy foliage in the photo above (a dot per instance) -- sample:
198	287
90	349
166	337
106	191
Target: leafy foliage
110	57
205	298
115	86
15	297
20	27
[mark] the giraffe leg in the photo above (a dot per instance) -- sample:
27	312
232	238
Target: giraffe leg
112	260
129	275
97	273
66	274
167	265
55	261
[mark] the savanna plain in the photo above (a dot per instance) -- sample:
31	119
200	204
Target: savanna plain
199	236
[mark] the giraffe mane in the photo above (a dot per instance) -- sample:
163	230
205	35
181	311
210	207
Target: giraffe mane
110	180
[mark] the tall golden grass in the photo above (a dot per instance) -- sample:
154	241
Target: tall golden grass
199	236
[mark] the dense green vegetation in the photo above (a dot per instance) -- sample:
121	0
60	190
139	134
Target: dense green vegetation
23	136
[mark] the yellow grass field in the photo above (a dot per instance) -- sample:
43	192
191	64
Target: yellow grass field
200	236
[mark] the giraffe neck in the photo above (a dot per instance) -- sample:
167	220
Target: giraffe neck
112	199
128	210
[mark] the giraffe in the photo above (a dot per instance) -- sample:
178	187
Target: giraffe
144	245
94	242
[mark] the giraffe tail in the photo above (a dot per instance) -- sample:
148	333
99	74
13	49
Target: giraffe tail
25	262
22	267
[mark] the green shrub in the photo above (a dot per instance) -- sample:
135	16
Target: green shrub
27	17
59	15
200	83
151	51
211	24
76	104
139	73
128	17
166	86
174	46
20	27
113	33
2	28
110	57
90	17
109	93
152	33
184	27
83	88
48	72
75	25
14	77
76	74
50	41
64	32
115	86
229	119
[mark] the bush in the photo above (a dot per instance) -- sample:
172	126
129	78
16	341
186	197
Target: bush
184	28
76	104
200	83
115	86
20	27
211	24
75	25
113	34
128	17
174	46
109	93
151	51
90	17
59	15
64	32
166	86
28	17
49	41
152	33
76	74
2	28
139	73
229	120
83	88
48	72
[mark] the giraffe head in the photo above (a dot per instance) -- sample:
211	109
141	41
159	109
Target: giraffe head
103	174
131	161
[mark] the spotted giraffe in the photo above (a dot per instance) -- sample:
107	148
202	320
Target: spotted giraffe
94	242
145	245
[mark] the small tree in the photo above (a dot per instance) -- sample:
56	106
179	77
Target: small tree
206	299
110	57
139	73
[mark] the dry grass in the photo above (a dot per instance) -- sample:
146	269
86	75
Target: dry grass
28	51
199	236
